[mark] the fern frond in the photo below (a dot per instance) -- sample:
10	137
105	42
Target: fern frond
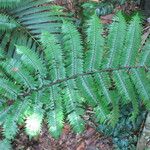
115	114
19	73
32	17
7	23
95	41
124	86
132	42
145	55
29	58
9	89
55	114
126	90
101	114
53	54
72	104
34	121
10	127
9	3
142	85
73	49
4	112
5	145
102	83
115	41
87	89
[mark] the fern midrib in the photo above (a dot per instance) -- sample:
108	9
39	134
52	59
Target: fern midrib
80	75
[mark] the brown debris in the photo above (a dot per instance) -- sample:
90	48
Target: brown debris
89	140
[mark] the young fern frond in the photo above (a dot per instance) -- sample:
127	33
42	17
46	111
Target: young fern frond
102	83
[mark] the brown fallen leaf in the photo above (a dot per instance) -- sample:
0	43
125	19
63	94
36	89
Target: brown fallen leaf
81	146
107	19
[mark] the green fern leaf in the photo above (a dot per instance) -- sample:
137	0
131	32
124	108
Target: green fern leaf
34	120
10	128
5	145
86	86
55	114
9	89
72	101
7	23
145	56
132	42
115	41
4	112
53	54
32	18
142	85
12	119
126	89
73	49
19	73
29	58
95	43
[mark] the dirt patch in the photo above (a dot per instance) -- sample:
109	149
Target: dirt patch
89	140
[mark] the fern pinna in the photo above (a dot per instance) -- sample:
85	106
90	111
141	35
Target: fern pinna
21	22
55	85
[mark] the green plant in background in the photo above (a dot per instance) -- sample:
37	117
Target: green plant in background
124	135
21	22
103	7
56	85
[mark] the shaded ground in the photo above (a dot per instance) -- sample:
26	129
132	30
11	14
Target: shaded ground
89	140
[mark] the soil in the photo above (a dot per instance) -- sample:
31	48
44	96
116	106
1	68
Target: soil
89	140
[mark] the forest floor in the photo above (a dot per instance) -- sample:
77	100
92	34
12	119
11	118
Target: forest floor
89	140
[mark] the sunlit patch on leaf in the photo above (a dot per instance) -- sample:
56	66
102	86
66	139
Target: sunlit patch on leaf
33	124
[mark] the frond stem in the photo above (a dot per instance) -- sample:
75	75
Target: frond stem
82	74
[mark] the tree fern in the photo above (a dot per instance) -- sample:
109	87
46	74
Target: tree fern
71	77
